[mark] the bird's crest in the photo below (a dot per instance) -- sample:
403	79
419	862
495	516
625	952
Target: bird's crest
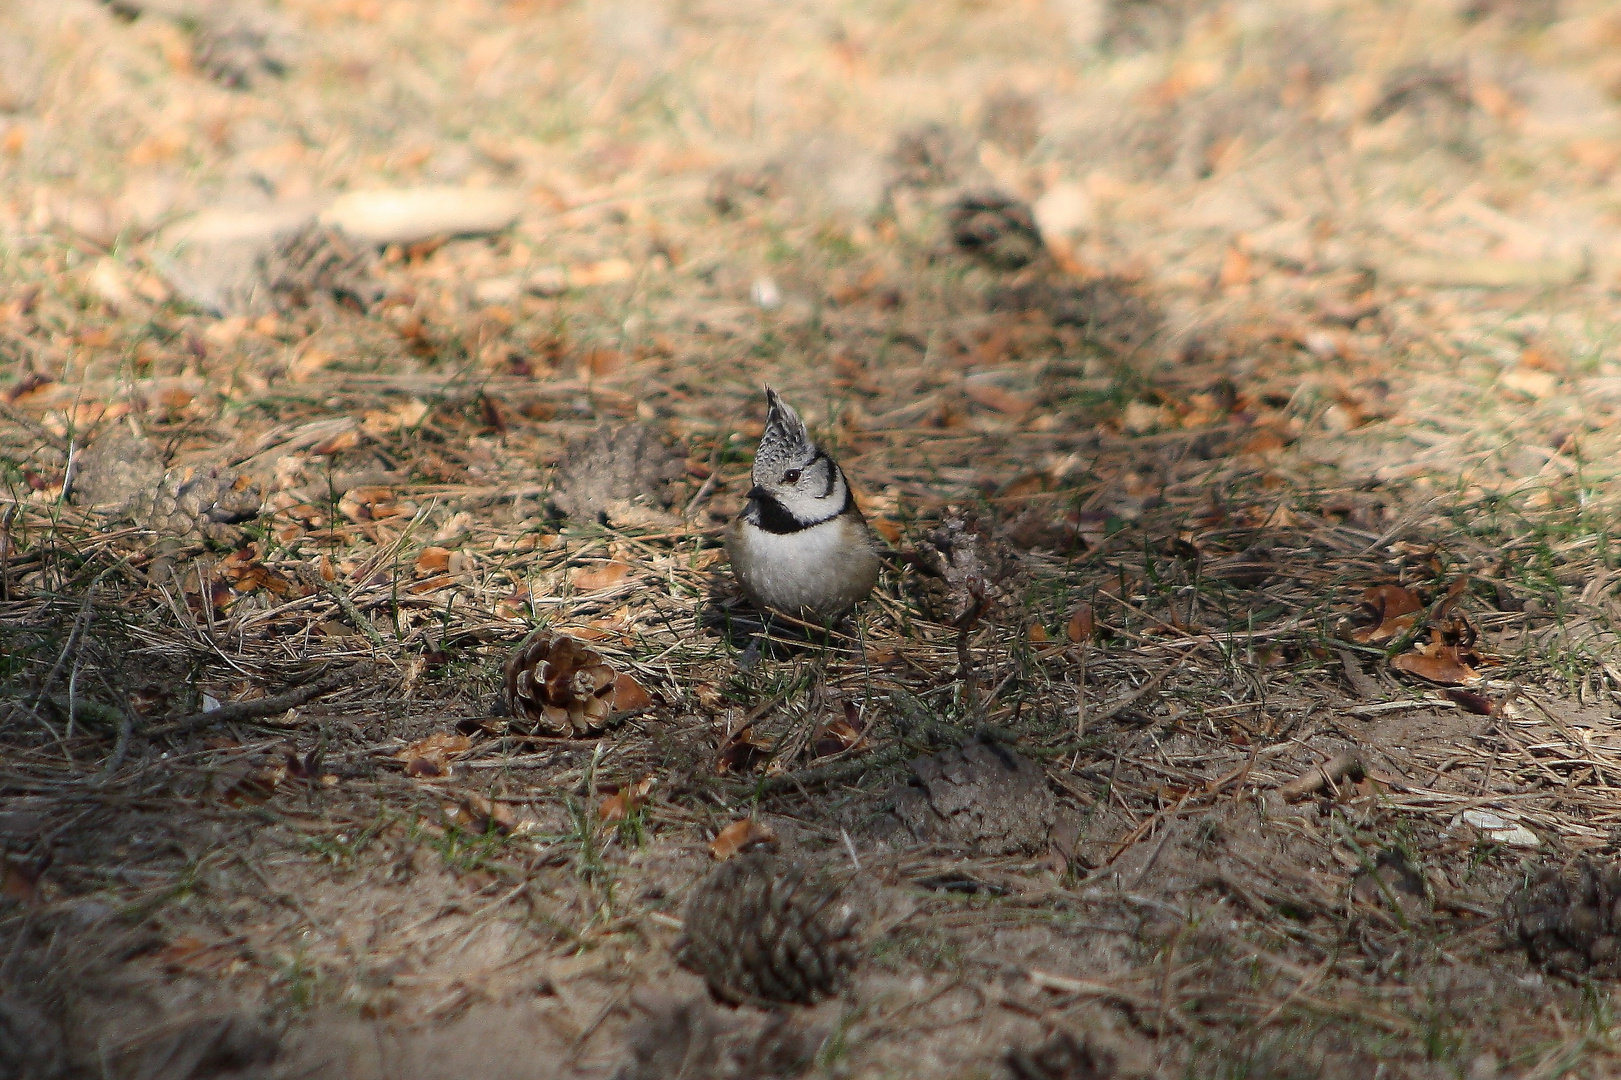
785	442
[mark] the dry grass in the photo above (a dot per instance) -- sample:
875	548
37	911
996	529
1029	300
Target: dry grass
1254	382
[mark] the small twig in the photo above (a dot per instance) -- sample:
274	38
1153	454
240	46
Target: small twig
258	707
1364	685
1332	771
1080	693
6	518
1379	708
708	485
126	726
849	846
345	604
79	623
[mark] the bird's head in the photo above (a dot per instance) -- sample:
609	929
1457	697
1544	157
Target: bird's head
792	470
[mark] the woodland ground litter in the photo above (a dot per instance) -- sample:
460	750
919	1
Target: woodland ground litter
1235	387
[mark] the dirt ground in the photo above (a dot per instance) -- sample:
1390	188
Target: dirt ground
1234	387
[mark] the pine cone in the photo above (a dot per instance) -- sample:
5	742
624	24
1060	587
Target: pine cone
969	566
317	261
1569	925
998	229
565	688
619	476
236	52
758	931
1064	1057
210	501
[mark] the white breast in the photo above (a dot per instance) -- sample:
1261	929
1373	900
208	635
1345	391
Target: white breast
823	570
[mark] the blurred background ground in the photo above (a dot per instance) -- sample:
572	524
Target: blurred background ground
1233	384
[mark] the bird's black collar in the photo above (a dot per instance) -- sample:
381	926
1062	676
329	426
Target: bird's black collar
764	510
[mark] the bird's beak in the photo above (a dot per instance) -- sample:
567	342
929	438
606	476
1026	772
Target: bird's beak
756	493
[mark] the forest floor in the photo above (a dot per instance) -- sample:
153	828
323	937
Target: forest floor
1240	696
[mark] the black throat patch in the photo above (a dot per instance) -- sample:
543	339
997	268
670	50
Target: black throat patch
765	511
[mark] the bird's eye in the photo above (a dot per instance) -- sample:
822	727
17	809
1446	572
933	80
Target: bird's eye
791	476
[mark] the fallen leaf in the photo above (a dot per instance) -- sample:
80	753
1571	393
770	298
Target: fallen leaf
1500	829
475	813
738	837
1029	483
1395	611
602	576
191	954
890	530
372	503
983	389
628	695
19	882
1265	441
605	272
837	737
343	440
1444	664
743	751
1236	269
1082	625
1141	417
1531	382
626	801
1469	701
430	757
1038	634
604	362
432	560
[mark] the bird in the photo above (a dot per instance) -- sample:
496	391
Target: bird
800	545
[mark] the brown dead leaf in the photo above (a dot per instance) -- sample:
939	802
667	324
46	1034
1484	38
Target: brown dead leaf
738	837
626	801
477	814
1395	611
1025	484
192	955
844	733
603	362
602	576
20	881
983	389
743	751
1266	440
1470	702
629	696
430	757
1082	624
1236	269
373	503
343	440
1447	665
432	560
888	528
